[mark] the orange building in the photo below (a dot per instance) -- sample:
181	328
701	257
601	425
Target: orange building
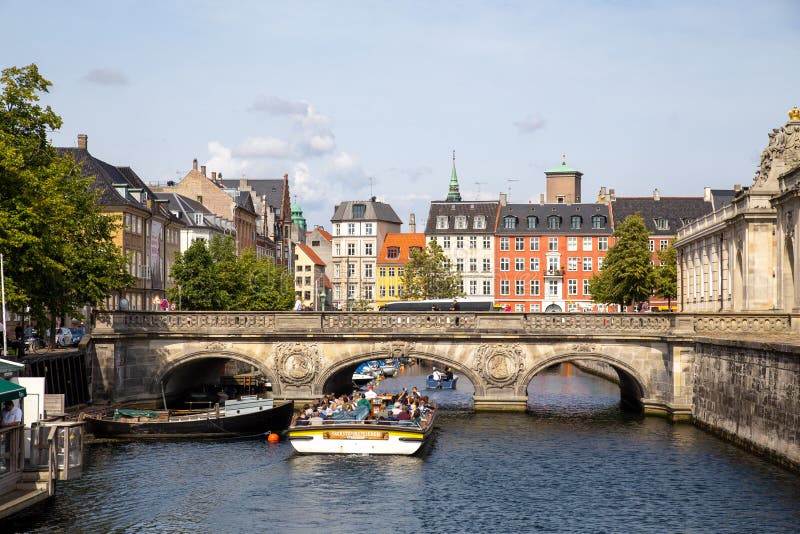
395	253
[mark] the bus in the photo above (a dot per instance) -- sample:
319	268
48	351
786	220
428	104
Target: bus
439	305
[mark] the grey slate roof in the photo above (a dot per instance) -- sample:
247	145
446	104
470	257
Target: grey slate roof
488	209
272	189
564	211
374	211
185	208
721	197
676	210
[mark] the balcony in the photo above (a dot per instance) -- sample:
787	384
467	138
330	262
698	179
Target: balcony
554	273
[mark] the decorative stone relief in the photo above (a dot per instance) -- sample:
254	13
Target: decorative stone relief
215	346
783	145
583	347
296	363
499	364
396	349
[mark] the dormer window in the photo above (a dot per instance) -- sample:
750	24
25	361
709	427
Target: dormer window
533	221
509	222
575	222
598	222
662	223
393	253
198	218
461	222
687	220
441	222
553	222
358	211
479	222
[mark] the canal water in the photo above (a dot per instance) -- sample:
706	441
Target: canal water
575	463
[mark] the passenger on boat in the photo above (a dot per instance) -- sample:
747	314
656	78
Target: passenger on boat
302	419
363	401
316	419
403	395
403	415
448	374
414	393
370	394
307	410
437	376
398	407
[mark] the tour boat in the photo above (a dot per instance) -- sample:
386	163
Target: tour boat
248	417
441	384
362	433
388	369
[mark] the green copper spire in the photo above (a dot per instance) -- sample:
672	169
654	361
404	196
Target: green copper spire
297	216
453	195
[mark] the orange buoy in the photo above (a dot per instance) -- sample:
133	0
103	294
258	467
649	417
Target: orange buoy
273	438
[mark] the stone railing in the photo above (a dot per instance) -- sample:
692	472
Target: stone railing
643	323
743	323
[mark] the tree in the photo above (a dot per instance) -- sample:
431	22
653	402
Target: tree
58	245
627	276
666	276
212	277
428	275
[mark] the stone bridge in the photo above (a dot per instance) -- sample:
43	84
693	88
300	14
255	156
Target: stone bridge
131	354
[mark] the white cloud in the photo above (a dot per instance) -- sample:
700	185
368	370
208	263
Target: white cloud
531	123
106	76
270	147
223	160
278	106
311	134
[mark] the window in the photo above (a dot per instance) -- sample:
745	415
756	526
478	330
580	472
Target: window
391	271
351	228
505	287
652	245
479	223
572	287
662	223
663	244
552	244
473	241
337	229
351	249
572	244
572	264
367	249
460	241
381	271
446	241
509	222
298	281
337	272
391	291
382	291
504	264
519	243
534	264
535	288
441	222
473	287
393	253
535	308
552	288
533	220
351	269
554	222
460	265
587	264
368	292
358	211
399	271
575	222
519	264
307	281
368	270
461	222
351	290
487	242
308	268
487	287
519	287
198	218
473	265
586	287
503	243
315	243
299	268
519	307
552	264
598	222
336	293
367	228
602	243
487	265
599	264
534	244
587	243
337	249
572	307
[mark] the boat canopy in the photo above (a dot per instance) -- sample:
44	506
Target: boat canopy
134	413
10	391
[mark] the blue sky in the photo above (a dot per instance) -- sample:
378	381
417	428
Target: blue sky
639	95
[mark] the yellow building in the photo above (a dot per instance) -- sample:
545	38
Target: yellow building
394	255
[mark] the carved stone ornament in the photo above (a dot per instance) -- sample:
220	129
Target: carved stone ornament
499	364
215	346
583	347
296	363
395	349
783	145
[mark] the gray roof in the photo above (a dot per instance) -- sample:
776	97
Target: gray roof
677	210
373	211
721	197
272	189
583	214
488	209
184	209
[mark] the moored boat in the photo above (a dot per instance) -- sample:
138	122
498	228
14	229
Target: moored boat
444	383
361	379
248	417
363	432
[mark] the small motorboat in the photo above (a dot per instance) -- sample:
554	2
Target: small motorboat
389	369
247	417
361	379
444	383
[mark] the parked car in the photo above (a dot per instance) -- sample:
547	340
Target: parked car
63	336
77	334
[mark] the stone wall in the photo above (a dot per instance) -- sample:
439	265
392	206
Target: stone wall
750	393
603	370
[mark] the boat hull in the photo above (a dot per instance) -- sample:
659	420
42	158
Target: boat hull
357	439
253	424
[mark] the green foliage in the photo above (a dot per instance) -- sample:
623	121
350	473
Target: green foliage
428	275
58	246
212	277
667	274
627	276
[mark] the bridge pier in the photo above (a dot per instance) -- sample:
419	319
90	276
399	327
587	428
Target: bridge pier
500	404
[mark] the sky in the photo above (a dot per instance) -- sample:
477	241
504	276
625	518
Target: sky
355	99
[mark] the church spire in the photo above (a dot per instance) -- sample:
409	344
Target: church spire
453	194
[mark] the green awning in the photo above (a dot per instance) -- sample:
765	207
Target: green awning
10	391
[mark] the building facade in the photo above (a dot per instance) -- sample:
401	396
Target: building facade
395	254
309	279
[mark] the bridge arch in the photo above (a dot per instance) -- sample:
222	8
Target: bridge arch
173	364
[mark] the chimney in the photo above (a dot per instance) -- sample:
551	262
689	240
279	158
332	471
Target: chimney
194	164
612	195
243	183
203	169
213	176
707	194
569	199
656	195
541	198
503	199
737	187
219	178
83	141
412	224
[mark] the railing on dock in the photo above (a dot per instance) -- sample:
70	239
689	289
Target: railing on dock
57	447
12	456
